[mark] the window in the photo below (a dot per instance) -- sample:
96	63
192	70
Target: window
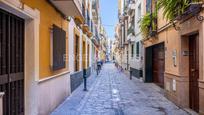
133	21
148	6
124	34
138	49
58	48
132	50
139	12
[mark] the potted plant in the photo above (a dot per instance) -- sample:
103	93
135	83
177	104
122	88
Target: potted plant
148	25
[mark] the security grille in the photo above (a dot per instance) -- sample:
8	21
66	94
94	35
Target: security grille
12	63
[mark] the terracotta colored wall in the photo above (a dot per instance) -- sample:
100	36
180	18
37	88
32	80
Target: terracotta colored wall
178	40
171	39
48	17
161	20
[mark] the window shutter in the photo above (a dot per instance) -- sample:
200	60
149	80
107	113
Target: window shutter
59	48
138	49
132	50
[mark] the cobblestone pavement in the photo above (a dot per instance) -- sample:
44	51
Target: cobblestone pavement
112	93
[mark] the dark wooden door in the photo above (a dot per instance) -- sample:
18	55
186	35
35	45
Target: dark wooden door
194	72
84	55
148	65
76	53
88	56
12	63
158	64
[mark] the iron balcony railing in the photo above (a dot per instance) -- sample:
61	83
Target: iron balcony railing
92	27
83	10
192	10
131	29
153	25
88	19
94	5
96	34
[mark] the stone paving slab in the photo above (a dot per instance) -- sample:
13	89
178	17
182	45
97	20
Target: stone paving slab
112	93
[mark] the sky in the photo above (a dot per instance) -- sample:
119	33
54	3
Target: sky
109	12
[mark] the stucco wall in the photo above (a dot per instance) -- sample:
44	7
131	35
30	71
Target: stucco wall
74	30
48	17
178	41
52	92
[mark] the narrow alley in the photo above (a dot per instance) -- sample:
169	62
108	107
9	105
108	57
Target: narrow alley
113	93
150	54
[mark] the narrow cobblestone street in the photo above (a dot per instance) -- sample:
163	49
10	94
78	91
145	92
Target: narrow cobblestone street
113	93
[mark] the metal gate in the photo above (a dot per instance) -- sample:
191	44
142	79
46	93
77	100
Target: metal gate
12	63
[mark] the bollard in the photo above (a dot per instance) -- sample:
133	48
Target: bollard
130	74
97	70
85	77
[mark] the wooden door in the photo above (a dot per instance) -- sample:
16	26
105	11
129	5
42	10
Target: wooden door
12	63
84	55
158	64
148	65
76	53
88	56
194	72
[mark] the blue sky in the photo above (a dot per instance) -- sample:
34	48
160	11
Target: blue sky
109	12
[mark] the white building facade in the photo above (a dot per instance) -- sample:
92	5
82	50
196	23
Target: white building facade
82	48
136	50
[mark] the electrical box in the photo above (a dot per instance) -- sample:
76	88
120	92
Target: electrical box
174	56
174	85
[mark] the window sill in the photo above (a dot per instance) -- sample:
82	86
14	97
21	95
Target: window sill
54	76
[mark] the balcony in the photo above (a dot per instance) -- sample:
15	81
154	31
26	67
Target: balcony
87	26
131	7
95	39
90	33
68	7
192	10
153	26
95	10
131	30
80	20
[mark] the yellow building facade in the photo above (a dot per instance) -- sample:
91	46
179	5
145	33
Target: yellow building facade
48	17
39	77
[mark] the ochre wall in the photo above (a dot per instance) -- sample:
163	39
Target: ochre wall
77	34
179	41
171	39
48	17
84	52
161	21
